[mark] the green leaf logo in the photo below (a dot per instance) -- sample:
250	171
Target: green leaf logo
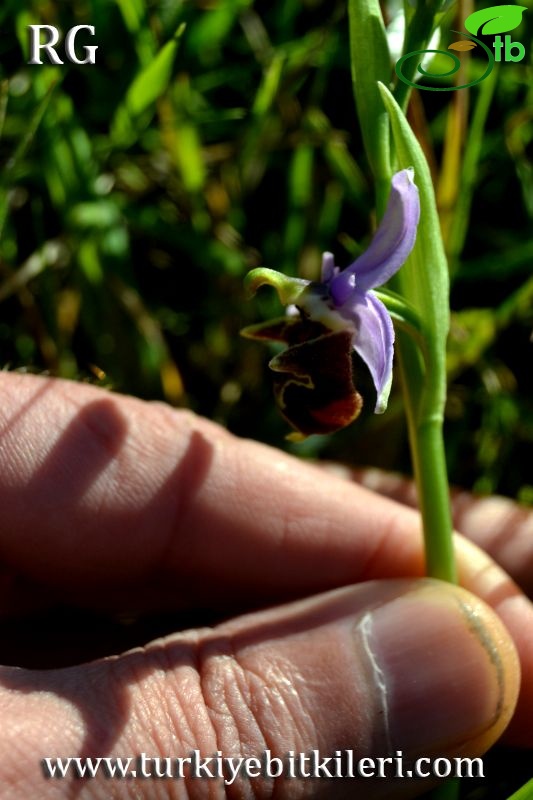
497	19
462	46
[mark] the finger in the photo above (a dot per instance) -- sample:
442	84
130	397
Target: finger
498	525
100	494
502	528
483	576
133	503
368	670
478	572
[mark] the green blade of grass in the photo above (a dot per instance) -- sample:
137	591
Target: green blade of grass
524	793
148	85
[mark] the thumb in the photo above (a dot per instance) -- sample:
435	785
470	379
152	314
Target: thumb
362	672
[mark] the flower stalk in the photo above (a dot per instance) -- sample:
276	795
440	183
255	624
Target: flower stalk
423	281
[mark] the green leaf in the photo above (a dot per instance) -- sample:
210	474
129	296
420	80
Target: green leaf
370	60
269	87
189	157
134	13
423	279
524	793
146	88
22	148
150	84
27	139
496	19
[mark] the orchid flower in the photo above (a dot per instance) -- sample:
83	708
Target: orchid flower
326	320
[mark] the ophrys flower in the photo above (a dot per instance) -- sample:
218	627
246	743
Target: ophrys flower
327	319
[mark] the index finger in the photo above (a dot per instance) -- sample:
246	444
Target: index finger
104	491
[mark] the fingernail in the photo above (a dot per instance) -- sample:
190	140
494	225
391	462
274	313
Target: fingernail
440	661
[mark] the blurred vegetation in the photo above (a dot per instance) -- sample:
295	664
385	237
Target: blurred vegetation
214	136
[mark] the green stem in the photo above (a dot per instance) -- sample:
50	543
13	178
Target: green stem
423	282
429	462
424	395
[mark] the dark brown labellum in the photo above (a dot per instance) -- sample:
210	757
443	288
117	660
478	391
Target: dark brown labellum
314	386
313	377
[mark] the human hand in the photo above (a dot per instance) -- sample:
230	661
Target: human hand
108	502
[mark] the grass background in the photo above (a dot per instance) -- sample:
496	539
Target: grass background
215	136
137	193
